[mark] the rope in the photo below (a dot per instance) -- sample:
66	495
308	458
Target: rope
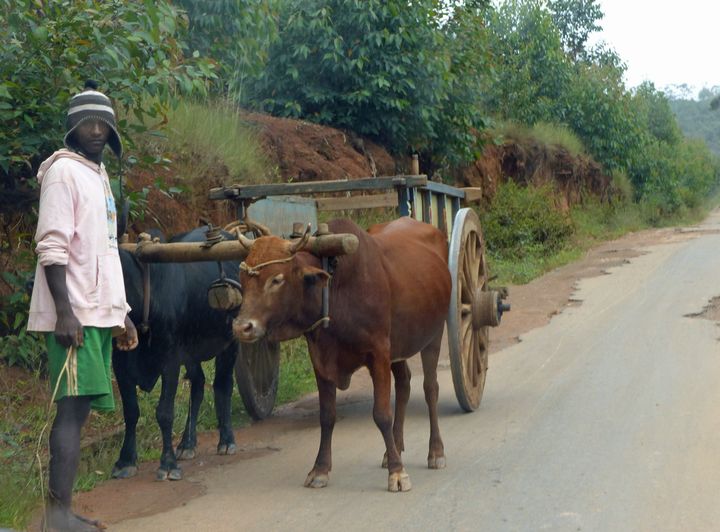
255	270
70	359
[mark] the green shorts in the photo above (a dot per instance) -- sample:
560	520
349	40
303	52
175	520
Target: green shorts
87	370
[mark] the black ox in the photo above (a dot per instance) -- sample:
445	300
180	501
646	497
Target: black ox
184	331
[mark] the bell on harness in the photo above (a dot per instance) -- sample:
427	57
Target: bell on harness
225	294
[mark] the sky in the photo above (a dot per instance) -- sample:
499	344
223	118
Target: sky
666	42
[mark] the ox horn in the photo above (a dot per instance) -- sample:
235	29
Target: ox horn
257	227
245	242
300	243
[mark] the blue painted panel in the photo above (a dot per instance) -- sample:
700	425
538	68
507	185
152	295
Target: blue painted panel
280	212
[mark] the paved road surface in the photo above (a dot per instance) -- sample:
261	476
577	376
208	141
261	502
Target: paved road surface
606	419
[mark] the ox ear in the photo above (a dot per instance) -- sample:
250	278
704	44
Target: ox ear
313	276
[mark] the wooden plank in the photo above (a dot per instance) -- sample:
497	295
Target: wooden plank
442	188
315	187
388	199
472	194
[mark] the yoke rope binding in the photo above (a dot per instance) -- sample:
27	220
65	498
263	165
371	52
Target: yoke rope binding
255	270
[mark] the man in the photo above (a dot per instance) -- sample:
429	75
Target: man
79	297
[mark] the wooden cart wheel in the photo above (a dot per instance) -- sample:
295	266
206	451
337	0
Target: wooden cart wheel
471	310
257	370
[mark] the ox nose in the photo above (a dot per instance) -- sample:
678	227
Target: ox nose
247	330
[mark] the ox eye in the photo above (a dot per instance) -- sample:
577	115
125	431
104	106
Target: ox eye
277	280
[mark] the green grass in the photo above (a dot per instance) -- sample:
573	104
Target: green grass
296	372
543	133
593	222
204	145
20	480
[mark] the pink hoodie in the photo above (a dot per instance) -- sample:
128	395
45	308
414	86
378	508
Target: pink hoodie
77	228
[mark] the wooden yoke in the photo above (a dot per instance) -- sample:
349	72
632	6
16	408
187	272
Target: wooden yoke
146	250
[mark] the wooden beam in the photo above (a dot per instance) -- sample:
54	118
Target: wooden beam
472	194
388	199
326	245
238	192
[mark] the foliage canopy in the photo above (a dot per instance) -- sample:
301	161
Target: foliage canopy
392	70
134	49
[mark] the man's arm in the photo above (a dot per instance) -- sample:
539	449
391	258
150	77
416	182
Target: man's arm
68	329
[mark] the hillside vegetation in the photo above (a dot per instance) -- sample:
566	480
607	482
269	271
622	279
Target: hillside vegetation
698	119
508	97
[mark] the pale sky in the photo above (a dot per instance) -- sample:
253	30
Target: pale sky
666	42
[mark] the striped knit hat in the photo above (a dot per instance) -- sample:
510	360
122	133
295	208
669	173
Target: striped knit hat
92	104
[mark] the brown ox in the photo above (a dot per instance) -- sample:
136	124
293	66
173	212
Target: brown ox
388	301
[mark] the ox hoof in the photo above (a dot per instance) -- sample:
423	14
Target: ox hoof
185	454
172	474
316	480
226	448
399	481
436	462
124	472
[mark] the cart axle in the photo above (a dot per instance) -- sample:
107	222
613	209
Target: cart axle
487	308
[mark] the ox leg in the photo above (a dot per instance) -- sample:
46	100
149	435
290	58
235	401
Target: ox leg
126	464
222	386
430	355
188	442
398	479
164	413
401	372
318	477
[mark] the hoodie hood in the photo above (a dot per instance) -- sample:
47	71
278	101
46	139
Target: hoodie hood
64	154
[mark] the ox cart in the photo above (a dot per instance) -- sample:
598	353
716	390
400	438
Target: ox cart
474	306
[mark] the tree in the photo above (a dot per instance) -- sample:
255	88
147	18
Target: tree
576	20
47	49
531	70
655	113
237	34
383	68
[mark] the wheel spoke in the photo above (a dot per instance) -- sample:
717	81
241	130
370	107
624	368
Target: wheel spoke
483	337
471	366
465	286
472	244
468	269
466	337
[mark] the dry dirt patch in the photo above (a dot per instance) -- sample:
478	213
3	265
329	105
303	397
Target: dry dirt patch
710	312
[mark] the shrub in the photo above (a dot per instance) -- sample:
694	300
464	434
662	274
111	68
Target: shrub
17	346
523	222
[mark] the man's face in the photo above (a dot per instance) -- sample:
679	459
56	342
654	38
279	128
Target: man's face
91	136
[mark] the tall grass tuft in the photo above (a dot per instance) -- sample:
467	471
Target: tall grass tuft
557	135
211	141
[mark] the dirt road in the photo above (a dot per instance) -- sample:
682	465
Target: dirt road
603	418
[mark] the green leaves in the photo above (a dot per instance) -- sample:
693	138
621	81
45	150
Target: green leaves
236	34
47	50
385	69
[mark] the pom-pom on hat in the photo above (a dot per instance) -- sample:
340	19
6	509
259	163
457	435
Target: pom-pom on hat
92	104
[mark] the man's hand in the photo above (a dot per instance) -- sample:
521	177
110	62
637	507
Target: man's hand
68	330
128	340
